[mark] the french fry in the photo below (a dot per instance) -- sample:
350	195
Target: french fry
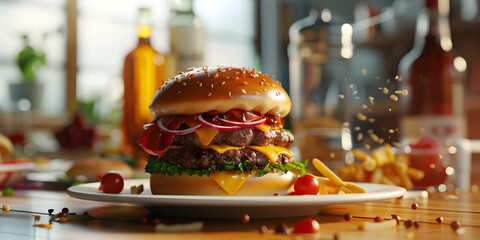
355	188
389	152
327	172
345	190
376	175
386	180
361	155
415	174
322	190
359	174
369	164
366	226
380	157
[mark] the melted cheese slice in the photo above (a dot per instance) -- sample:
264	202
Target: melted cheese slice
229	181
205	134
263	127
221	148
272	151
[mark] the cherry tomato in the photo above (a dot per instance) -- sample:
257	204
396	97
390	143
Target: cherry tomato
306	185
431	163
307	225
112	182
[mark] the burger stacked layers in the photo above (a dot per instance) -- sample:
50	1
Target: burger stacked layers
220	131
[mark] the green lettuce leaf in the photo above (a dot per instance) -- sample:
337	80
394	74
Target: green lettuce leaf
165	168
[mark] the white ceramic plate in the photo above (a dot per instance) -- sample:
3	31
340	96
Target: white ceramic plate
232	206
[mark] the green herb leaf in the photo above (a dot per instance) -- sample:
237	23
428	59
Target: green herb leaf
160	167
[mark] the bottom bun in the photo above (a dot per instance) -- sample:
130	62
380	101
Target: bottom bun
266	185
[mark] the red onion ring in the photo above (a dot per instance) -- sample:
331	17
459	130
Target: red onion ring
164	129
243	124
216	126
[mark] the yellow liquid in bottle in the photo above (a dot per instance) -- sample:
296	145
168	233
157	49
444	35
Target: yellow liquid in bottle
143	75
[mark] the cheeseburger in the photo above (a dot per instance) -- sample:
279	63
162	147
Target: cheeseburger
220	131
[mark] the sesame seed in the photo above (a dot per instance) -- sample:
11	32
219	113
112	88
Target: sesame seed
230	94
178	92
223	83
227	77
215	75
263	79
235	78
262	83
179	80
211	85
223	70
230	68
200	84
209	94
245	83
244	92
184	84
189	76
256	93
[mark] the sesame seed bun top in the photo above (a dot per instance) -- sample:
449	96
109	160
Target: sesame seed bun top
222	89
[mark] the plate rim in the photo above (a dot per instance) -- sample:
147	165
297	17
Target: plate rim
381	192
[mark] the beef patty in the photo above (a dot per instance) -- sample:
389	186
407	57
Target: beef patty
200	158
241	138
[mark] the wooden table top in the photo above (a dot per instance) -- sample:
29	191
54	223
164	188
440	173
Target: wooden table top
116	221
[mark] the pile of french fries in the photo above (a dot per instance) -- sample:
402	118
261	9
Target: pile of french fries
331	183
381	166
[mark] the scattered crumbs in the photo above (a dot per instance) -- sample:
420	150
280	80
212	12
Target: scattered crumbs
357	98
367	146
371	100
332	155
402	92
369	131
346	124
359	137
391	131
361	117
6	208
396	77
355	92
374	137
371	120
341	96
364	106
350	86
389	109
385	90
388	80
357	128
394	97
364	72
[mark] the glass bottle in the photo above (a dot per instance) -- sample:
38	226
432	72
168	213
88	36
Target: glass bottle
143	74
433	76
186	38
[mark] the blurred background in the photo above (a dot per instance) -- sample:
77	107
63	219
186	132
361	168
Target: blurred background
63	64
